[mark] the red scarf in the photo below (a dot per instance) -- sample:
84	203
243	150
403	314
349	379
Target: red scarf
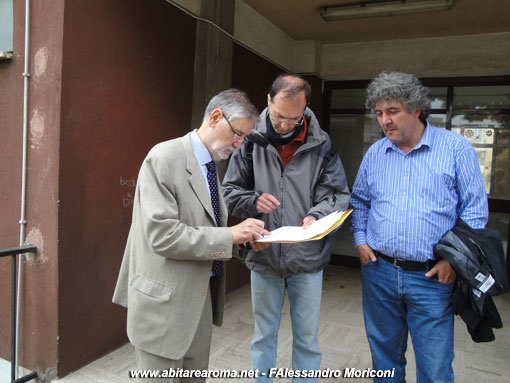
288	150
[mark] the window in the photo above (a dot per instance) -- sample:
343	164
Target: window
6	28
477	108
482	115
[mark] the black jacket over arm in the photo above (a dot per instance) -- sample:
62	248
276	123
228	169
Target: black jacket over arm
478	259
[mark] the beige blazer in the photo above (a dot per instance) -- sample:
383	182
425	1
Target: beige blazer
172	242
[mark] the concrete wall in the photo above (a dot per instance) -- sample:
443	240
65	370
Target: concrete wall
474	55
260	35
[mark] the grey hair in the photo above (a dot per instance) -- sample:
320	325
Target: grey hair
401	87
234	103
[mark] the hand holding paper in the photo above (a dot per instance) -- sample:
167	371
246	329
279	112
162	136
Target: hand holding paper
317	230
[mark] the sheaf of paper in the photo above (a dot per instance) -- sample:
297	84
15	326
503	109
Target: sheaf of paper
316	230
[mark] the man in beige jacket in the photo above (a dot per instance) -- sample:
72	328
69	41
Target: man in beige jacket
169	280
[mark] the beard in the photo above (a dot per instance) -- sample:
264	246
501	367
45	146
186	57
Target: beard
223	153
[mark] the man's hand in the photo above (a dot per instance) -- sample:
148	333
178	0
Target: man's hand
366	254
257	246
307	221
267	203
444	272
248	230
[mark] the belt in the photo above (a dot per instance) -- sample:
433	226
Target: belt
407	265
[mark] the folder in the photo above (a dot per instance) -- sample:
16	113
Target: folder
317	230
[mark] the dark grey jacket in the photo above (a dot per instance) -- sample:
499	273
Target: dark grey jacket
312	183
478	258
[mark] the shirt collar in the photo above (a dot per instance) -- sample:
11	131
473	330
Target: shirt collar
201	153
426	139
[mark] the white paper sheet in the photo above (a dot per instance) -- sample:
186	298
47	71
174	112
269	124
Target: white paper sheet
298	234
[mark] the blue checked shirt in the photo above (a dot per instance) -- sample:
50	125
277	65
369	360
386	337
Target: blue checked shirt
404	203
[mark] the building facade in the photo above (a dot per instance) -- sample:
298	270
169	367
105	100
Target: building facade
109	79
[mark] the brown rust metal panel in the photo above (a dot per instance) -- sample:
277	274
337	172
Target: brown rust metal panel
38	325
127	85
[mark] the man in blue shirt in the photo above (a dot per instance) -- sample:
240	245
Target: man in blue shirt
411	188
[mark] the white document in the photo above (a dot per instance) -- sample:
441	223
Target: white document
316	230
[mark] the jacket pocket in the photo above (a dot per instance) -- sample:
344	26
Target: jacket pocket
151	288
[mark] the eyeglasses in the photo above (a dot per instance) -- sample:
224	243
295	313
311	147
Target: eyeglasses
291	122
237	136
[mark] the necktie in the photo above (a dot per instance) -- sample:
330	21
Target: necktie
213	188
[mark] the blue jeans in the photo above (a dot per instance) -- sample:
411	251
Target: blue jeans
396	301
267	295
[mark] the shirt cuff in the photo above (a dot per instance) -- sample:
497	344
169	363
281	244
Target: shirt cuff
359	238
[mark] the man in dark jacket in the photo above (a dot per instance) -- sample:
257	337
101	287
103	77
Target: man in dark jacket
288	175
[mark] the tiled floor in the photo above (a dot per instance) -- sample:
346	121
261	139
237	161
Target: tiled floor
342	340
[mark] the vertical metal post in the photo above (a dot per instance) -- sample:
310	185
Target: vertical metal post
22	220
13	319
